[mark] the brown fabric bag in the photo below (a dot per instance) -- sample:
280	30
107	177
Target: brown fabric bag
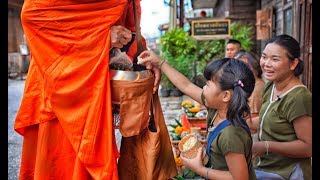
149	155
131	99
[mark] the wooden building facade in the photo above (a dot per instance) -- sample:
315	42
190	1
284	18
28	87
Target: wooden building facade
274	17
18	52
15	31
292	17
270	17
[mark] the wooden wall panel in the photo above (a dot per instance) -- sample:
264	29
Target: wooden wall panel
264	24
15	31
305	11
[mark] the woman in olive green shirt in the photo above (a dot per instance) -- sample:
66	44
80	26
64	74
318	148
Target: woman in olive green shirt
230	82
284	148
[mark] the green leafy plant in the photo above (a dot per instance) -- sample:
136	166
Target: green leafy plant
214	49
243	33
205	52
179	177
176	43
177	47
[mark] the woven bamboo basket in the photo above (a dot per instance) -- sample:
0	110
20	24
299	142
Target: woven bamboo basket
190	150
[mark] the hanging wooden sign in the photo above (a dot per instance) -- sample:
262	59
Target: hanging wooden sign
210	29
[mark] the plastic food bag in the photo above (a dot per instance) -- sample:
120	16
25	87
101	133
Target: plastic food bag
120	60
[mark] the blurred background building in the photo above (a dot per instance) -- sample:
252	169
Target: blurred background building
269	18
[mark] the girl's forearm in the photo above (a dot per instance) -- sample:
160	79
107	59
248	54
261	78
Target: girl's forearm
181	82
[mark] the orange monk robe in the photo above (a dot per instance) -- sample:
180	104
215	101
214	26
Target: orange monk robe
65	114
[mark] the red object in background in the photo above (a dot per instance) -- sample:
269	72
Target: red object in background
198	122
185	122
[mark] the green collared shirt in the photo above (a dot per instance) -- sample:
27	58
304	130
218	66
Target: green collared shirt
276	124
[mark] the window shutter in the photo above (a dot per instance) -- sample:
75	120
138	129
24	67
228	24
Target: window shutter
264	24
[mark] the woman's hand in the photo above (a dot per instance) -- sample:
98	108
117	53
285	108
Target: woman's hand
258	149
149	57
194	164
120	36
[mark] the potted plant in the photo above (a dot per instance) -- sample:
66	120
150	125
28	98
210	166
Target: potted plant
165	86
175	92
177	48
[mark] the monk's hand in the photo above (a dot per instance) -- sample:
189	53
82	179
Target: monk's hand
157	75
195	163
120	36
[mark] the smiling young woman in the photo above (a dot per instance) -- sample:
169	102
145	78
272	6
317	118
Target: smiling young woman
284	148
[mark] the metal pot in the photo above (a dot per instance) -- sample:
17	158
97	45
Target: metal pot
129	75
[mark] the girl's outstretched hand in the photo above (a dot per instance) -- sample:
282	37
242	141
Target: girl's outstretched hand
150	60
149	57
193	164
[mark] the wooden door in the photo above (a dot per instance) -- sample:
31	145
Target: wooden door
304	10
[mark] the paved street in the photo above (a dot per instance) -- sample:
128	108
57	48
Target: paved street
15	91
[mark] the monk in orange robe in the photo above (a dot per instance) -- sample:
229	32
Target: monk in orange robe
65	115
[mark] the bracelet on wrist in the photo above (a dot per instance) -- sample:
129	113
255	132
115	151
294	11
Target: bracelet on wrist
161	64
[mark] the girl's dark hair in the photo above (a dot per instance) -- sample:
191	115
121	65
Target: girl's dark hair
253	60
293	49
236	75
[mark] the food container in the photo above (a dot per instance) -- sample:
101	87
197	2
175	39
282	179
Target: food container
195	130
129	75
189	146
